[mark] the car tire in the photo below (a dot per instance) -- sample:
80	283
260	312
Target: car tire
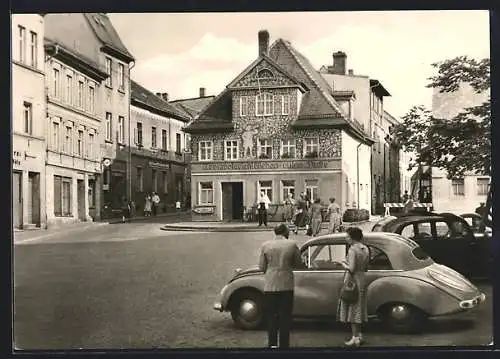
402	318
248	310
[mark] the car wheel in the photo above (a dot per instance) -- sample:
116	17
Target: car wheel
248	310
402	318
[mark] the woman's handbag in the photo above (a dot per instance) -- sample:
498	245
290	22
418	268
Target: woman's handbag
349	291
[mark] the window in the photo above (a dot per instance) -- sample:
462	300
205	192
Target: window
231	150
326	256
285	104
458	187
164	139
138	140
205	151
91	193
206	193
108	126
80	143
267	188
378	260
80	94
265	74
68	140
91	101
288	148
417	231
265	104
55	135
55	85
244	106
483	186
109	72
22	44
154	177
153	137
62	196
90	147
311	147
121	129
312	190
288	187
69	89
265	149
139	179
165	182
28	118
178	144
121	74
34	47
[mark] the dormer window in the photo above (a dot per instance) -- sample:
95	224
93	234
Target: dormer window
265	74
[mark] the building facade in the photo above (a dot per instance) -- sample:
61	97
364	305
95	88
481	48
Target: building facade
159	157
457	195
276	128
28	121
369	115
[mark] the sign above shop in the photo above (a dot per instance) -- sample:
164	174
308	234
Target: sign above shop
17	157
159	164
204	210
308	164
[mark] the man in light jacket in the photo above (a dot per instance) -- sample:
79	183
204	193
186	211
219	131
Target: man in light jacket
263	206
278	259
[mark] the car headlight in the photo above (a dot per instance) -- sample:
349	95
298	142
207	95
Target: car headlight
448	281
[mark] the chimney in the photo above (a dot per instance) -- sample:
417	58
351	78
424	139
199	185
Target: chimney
202	92
263	42
351	72
339	63
164	96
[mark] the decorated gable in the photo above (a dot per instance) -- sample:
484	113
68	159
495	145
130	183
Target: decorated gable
264	74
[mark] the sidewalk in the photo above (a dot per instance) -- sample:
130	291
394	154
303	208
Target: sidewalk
168	215
23	236
248	227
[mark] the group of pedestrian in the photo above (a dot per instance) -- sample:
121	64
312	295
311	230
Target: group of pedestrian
151	204
279	257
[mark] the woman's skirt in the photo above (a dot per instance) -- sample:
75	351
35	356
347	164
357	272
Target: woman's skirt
334	224
316	225
354	313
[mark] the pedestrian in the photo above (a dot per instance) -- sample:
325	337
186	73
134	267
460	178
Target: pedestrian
308	213
316	217
335	219
278	259
263	206
156	203
289	208
405	197
408	205
300	213
148	203
354	311
125	210
481	210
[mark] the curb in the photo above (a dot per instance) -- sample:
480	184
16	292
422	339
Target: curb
142	218
227	228
55	233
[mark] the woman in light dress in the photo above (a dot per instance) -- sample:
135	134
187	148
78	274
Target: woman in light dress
289	210
148	206
316	217
334	216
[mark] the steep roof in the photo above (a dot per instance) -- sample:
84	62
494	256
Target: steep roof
106	33
192	106
142	97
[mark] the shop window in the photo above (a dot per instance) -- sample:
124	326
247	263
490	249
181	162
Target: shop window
267	188
206	193
91	193
139	179
62	196
288	187
154	176
312	190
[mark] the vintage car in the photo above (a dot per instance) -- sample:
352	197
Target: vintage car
404	285
476	223
447	238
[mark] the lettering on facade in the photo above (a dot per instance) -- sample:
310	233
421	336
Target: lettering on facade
158	164
262	165
17	158
204	210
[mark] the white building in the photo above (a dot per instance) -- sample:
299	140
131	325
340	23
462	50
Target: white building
28	114
458	195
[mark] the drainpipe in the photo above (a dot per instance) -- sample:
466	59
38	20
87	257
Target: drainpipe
357	172
129	159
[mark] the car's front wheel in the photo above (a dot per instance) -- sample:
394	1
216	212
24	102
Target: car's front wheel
248	310
402	318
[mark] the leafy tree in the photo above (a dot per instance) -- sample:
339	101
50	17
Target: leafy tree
458	145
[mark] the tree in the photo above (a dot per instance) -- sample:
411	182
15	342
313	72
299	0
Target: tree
458	145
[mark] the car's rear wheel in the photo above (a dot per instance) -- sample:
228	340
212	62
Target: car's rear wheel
248	310
402	317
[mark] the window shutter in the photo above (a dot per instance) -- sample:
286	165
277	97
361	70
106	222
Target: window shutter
57	196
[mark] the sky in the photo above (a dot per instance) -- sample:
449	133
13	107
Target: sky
179	53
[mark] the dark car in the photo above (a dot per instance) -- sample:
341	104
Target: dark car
477	224
447	238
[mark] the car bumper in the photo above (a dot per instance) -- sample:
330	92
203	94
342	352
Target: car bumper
218	307
473	303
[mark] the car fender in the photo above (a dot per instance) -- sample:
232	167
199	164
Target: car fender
409	290
247	282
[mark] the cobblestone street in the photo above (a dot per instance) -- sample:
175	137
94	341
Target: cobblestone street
136	286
